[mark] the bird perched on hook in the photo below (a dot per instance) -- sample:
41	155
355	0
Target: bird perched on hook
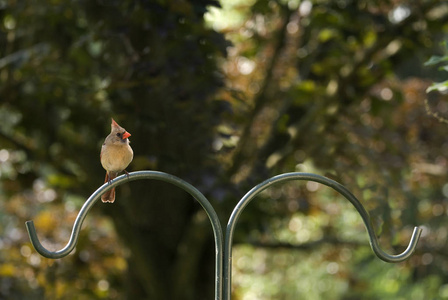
116	154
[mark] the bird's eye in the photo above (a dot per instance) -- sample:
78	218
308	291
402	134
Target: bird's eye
118	134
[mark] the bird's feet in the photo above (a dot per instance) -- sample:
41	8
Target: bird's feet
127	174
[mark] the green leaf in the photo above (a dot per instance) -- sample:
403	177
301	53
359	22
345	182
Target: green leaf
439	86
435	60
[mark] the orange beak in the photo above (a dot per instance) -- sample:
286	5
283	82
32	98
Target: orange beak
126	135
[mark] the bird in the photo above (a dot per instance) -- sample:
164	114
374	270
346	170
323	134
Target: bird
116	155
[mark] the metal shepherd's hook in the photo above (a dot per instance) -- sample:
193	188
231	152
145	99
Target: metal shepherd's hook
224	249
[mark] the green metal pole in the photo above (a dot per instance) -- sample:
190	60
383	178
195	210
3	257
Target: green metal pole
213	217
308	177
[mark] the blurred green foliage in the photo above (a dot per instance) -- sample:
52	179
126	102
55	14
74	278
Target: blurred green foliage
435	60
224	98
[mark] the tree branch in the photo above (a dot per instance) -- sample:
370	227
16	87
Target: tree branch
308	246
333	241
272	146
261	99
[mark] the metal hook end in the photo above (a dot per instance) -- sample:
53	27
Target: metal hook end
399	257
38	246
75	230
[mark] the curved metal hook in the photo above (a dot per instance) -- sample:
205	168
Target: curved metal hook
325	181
216	225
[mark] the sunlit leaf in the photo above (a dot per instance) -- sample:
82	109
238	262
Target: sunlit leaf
439	86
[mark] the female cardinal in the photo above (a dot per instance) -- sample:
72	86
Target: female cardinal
116	155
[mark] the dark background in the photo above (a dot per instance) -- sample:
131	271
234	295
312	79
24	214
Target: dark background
265	87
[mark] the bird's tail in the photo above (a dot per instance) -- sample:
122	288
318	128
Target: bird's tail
109	196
